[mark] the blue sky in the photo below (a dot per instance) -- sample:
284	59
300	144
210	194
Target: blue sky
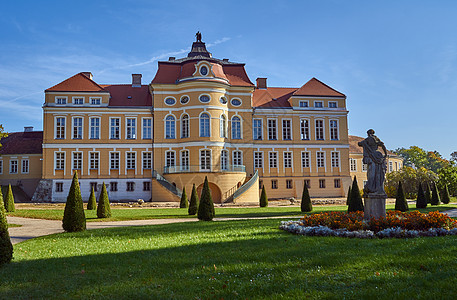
396	61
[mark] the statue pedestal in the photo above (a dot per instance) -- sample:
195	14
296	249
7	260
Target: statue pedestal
375	206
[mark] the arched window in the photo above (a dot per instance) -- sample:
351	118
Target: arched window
224	160
185	126
223	124
204	125
170	127
236	128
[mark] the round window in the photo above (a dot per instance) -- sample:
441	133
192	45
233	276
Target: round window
223	100
170	101
184	100
204	70
204	98
236	102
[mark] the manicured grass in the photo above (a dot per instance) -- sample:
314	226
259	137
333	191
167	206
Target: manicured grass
232	259
123	214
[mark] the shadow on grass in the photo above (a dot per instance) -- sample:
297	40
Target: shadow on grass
238	259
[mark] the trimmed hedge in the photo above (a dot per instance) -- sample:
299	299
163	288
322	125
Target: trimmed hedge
421	201
6	247
435	196
263	198
206	207
306	205
445	197
400	201
92	203
193	205
74	218
9	200
184	202
355	201
103	208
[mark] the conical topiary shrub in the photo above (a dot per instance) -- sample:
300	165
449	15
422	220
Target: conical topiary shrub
92	203
73	216
306	205
435	196
103	208
193	205
263	198
348	198
184	202
355	202
427	193
206	206
400	201
9	200
6	247
421	201
445	197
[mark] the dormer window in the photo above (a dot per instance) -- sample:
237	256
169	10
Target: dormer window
318	104
61	100
303	103
203	70
95	101
333	104
78	101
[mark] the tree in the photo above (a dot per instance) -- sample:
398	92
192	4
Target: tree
206	207
2	134
9	201
184	202
400	201
263	198
454	156
435	196
421	201
417	157
92	203
355	202
193	205
6	247
445	198
428	194
103	208
74	218
348	196
448	176
410	178
306	205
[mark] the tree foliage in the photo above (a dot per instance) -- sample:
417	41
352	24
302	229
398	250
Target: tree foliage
348	196
435	196
417	157
184	203
448	177
74	218
103	208
427	192
355	201
193	205
206	207
9	200
6	247
421	201
306	205
410	178
445	198
263	198
92	203
400	201
2	134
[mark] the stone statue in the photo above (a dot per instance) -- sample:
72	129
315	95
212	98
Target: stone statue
198	35
377	164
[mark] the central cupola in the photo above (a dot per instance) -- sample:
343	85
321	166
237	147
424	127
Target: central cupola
199	48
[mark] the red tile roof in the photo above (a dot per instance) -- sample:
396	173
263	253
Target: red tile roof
22	143
354	148
171	72
76	83
126	95
272	97
315	87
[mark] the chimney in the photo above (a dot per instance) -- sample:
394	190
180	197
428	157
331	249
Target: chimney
261	83
28	128
225	60
87	74
136	80
171	58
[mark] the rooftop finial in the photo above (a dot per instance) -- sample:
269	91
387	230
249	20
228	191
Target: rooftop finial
198	35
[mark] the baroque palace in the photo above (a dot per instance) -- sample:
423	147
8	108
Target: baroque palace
199	116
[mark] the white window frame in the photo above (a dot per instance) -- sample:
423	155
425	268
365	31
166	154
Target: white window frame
111	127
170	158
330	103
146	128
320	161
334	131
130	129
258	159
62	127
234	136
146	160
73	127
364	167
304	130
184	160
391	166
273	161
94	162
1	166
114	161
95	129
223	126
206	166
74	160
259	129
316	105
14	164
318	128
272	130
287	159
335	155
237	157
353	164
305	159
284	129
94	99
130	160
56	100
185	126
78	98
59	162
224	160
304	102
172	127
204	129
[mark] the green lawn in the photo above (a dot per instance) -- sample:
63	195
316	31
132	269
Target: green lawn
123	214
230	260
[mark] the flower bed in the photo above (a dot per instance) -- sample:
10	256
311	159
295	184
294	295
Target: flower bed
395	224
